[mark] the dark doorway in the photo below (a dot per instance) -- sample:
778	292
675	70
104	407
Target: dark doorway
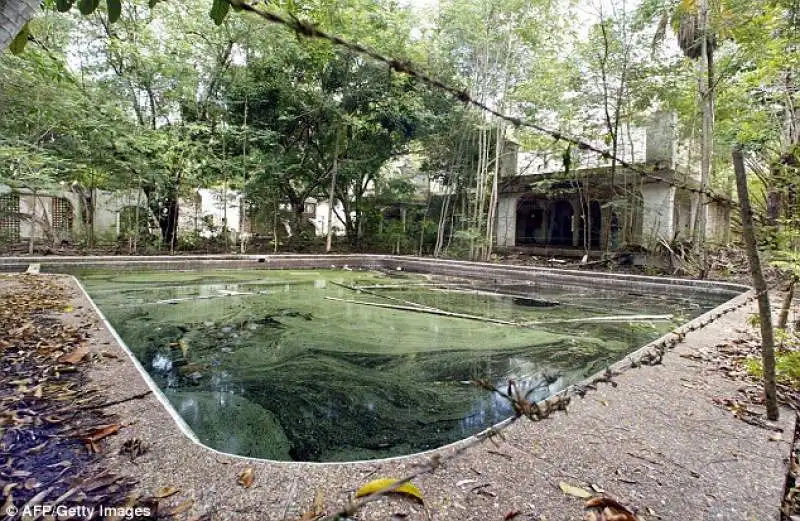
530	222
592	214
561	215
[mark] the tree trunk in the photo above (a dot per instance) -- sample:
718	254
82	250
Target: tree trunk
707	106
759	285
332	197
14	14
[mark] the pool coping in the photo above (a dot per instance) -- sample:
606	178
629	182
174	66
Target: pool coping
659	442
742	295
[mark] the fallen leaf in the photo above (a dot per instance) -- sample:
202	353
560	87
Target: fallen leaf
610	509
572	490
165	492
246	477
610	515
605	502
406	489
102	432
76	356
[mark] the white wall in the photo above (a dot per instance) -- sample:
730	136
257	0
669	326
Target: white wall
321	219
108	205
658	216
506	227
217	205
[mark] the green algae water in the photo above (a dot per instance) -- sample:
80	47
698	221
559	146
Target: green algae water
299	365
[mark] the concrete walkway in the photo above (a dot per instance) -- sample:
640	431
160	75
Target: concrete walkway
656	442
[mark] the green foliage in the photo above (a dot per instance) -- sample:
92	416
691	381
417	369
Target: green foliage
787	367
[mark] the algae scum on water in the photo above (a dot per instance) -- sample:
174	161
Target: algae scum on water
277	364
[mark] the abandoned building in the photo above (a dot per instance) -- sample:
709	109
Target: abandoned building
592	209
59	214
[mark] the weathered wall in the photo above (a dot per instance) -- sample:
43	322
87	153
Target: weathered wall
40	208
683	214
658	218
108	205
506	226
662	140
718	223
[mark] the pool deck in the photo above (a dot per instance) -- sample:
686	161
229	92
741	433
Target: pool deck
656	442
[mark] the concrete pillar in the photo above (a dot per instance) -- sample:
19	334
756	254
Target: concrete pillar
506	225
659	210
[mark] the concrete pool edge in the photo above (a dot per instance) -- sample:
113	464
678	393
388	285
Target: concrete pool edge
607	438
592	279
184	428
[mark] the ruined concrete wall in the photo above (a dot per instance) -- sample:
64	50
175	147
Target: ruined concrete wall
506	226
108	205
662	140
718	223
658	216
683	214
39	208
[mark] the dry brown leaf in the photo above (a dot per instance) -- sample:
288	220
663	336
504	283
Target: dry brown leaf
76	356
165	492
102	432
246	477
319	502
613	515
605	502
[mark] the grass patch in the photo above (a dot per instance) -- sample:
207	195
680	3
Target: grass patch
787	367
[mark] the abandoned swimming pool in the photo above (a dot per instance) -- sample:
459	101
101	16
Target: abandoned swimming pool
342	365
